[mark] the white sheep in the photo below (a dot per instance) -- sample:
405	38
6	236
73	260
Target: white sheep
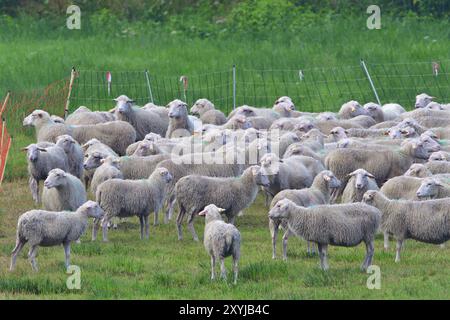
74	154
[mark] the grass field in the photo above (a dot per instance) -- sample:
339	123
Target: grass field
165	268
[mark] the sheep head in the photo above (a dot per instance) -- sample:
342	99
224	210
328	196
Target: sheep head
56	177
422	100
37	117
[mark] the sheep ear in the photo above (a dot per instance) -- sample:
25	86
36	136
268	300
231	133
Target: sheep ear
42	149
438	183
24	149
202	213
102	160
131	101
346	131
112	110
326	178
370	175
352	174
221	210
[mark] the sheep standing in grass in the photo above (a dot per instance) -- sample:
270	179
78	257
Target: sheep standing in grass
180	125
42	158
143	121
74	154
205	110
63	191
126	198
48	228
360	181
344	225
194	192
319	193
424	221
221	240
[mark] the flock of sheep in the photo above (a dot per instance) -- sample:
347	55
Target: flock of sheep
388	168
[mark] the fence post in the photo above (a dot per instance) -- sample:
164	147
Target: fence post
72	78
364	67
4	103
234	86
148	85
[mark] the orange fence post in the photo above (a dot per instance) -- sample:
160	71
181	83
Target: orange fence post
3	108
5	145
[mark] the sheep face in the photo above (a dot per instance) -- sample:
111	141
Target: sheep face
123	105
66	142
304	127
372	108
33	152
434	106
280	210
331	180
35	117
246	111
394	133
152	137
165	175
177	109
419	151
326	116
422	100
112	161
417	170
91	209
438	156
201	106
355	109
284	99
430	144
93	160
145	148
430	134
90	143
408	132
338	133
428	189
361	178
369	197
241	122
56	178
211	212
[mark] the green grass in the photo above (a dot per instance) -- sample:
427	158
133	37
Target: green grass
165	268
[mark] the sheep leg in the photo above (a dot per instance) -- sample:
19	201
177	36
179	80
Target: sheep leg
223	270
179	222
191	226
232	219
323	256
398	250
273	227
95	226
34	188
105	222
213	265
15	253
386	240
369	255
442	245
285	241
32	256
147	230
235	268
156	217
267	199
67	253
170	207
141	223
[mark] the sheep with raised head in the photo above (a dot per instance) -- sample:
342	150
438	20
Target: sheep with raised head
125	198
42	158
425	221
344	225
194	192
109	169
360	181
220	240
90	147
180	125
143	121
48	228
208	114
74	154
422	100
63	192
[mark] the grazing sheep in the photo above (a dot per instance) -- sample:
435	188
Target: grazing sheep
143	121
205	110
74	154
48	228
319	193
109	169
374	110
180	125
220	240
42	158
341	225
424	221
63	192
125	198
360	181
194	192
433	188
351	109
422	100
83	116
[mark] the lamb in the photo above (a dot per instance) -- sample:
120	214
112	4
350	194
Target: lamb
351	109
342	225
180	125
433	188
48	228
205	110
83	116
360	181
124	198
143	121
374	110
74	154
319	193
42	158
220	240
425	221
63	192
194	192
109	169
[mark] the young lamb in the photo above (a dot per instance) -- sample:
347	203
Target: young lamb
194	192
74	154
42	158
425	221
220	240
319	193
143	121
48	228
205	110
341	225
180	125
125	198
360	181
63	191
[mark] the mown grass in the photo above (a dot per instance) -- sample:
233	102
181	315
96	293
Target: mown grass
165	268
